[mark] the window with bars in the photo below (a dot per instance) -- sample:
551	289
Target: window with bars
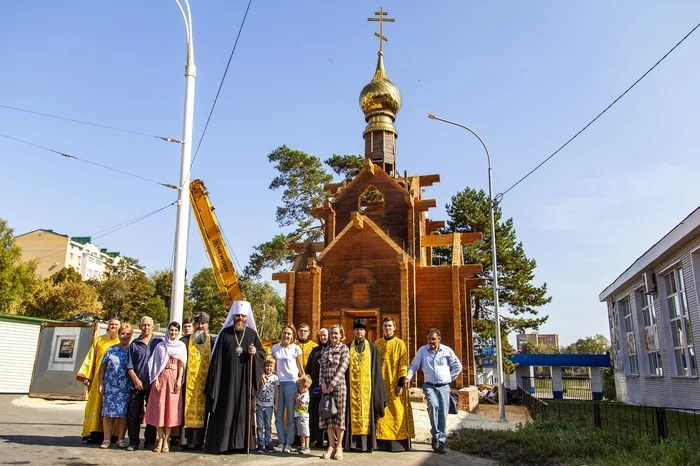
625	310
650	334
679	324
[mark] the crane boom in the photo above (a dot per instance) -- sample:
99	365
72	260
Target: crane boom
219	255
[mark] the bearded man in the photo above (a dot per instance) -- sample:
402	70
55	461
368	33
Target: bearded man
199	349
366	393
395	429
92	422
230	386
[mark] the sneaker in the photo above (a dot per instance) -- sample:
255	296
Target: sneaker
435	444
269	448
304	450
132	448
259	449
279	448
287	449
441	449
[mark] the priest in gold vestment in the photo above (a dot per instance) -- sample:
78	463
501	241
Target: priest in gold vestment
305	343
199	348
92	422
395	429
366	393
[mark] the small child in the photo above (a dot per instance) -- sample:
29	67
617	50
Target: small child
263	406
301	412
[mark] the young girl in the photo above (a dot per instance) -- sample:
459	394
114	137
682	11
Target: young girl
301	412
264	402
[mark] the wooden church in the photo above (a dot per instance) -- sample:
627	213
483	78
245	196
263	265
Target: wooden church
376	259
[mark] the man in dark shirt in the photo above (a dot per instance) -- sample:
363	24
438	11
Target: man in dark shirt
137	367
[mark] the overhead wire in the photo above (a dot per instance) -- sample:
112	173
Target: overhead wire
500	195
82	122
221	84
106	167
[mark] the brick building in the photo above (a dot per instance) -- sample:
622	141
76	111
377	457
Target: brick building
375	260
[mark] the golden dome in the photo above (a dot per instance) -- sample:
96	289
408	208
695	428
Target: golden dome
380	96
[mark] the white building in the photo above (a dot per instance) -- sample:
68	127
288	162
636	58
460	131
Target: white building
654	320
54	251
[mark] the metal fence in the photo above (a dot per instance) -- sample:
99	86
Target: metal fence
573	388
662	422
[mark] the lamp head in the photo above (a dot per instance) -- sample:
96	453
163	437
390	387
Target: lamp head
431	116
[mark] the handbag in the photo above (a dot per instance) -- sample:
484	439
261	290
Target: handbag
327	408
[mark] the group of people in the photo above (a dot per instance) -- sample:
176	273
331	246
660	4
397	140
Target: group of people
212	392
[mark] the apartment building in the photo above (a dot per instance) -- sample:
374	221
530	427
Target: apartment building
548	339
55	251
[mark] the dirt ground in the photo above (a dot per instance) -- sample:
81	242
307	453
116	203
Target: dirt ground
514	414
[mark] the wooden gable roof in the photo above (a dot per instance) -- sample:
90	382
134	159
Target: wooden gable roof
370	175
361	224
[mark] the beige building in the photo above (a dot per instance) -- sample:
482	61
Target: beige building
55	251
541	339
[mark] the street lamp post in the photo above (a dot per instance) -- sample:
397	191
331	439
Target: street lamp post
183	202
499	348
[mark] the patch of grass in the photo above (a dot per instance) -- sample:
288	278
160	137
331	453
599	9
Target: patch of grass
550	443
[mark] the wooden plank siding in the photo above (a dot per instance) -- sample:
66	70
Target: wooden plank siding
654	390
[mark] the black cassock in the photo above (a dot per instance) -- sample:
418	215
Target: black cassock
378	403
227	390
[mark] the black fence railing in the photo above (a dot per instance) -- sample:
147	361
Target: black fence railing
662	422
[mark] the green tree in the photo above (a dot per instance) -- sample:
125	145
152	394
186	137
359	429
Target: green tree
468	211
65	300
125	289
302	177
205	296
163	282
529	348
18	282
66	274
268	307
156	309
597	344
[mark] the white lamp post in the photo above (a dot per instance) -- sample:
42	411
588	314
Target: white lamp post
183	203
499	348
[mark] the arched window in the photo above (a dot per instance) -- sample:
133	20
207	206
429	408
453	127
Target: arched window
371	202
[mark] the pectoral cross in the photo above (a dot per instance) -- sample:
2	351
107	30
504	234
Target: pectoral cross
381	18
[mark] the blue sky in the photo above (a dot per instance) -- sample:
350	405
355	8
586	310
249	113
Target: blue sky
526	76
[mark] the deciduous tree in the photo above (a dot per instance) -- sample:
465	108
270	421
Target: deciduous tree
597	344
65	300
125	290
18	282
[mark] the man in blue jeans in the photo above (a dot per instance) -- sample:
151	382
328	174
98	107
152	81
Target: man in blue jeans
440	367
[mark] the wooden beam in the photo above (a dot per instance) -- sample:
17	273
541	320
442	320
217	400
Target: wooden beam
333	187
282	277
431	226
357	220
301	247
456	250
428	180
466	239
424	204
457	318
471	269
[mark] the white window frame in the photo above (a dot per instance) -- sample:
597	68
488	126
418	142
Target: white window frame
649	334
684	362
628	336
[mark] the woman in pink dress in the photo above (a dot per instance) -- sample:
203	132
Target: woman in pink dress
166	366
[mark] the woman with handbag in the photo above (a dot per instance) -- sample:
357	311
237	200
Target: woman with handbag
335	360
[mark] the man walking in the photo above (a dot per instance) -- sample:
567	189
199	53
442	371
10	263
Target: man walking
140	387
440	367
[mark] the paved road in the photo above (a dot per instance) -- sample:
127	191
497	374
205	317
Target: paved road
36	432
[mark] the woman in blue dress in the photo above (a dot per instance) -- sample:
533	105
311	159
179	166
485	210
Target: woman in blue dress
114	386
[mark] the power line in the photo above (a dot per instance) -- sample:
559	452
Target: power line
164	138
167	185
115	228
221	84
499	196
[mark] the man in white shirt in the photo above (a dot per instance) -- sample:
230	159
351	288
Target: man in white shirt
440	367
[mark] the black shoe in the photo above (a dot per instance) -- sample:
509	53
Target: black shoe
269	448
435	444
259	449
132	448
441	449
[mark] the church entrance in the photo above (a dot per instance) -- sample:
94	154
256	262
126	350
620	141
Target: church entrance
348	316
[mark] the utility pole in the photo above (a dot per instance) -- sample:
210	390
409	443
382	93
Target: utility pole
183	202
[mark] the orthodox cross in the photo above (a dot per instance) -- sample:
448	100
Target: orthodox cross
381	18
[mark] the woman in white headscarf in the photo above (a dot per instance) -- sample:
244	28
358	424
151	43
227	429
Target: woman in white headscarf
166	366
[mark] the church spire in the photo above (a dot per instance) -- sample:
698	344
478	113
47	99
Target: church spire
380	101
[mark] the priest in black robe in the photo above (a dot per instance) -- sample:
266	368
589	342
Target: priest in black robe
366	398
228	389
